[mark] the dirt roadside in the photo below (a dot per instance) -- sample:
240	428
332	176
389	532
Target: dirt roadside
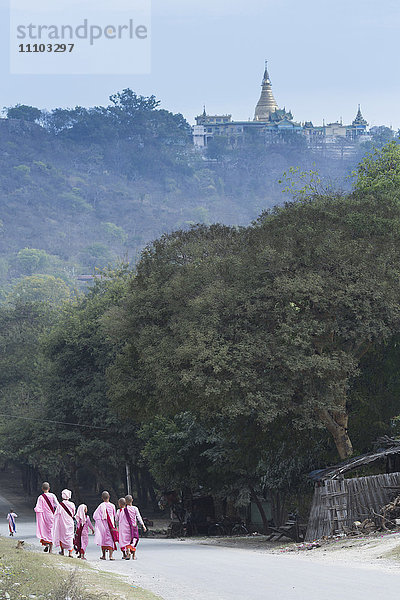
378	550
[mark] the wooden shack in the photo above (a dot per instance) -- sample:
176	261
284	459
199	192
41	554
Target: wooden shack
338	501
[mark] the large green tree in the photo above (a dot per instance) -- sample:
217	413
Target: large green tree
23	323
268	321
335	267
78	351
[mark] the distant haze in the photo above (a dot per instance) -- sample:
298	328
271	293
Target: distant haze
324	57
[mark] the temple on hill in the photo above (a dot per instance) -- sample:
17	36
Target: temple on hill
266	105
275	124
359	122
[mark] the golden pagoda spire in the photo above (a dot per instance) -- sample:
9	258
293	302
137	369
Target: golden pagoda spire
267	103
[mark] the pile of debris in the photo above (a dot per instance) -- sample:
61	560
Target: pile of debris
364	527
388	518
303	546
391	514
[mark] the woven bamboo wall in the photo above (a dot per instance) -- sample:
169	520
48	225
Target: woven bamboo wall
338	503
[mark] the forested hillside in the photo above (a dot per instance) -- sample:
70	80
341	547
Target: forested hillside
229	359
82	188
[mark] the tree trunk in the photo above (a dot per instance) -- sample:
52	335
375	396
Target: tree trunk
104	483
278	508
24	475
33	481
150	492
260	507
144	484
336	423
138	485
73	480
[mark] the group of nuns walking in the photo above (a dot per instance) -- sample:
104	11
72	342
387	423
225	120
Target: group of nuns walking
58	524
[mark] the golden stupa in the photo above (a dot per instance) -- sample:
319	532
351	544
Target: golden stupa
267	103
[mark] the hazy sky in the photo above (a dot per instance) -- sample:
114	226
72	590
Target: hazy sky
324	57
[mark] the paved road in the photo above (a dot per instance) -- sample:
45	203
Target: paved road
189	571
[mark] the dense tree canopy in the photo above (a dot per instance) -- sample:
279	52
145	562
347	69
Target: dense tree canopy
24	113
53	373
379	171
231	359
266	321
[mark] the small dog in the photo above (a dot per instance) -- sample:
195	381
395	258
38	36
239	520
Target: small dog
20	544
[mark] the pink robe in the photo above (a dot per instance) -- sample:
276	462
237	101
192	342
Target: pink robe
85	533
63	529
125	534
45	518
102	534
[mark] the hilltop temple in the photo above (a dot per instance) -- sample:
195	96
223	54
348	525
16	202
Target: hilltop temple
266	105
275	124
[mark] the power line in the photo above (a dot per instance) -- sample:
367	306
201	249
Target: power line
50	421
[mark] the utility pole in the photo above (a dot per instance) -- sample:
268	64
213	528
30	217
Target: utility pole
128	479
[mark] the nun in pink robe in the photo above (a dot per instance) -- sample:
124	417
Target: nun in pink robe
104	516
83	523
63	530
46	505
128	518
124	530
127	527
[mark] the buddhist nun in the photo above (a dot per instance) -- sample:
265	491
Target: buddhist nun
83	524
63	529
45	508
128	528
106	534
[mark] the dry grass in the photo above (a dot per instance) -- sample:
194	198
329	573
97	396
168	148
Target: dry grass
28	574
